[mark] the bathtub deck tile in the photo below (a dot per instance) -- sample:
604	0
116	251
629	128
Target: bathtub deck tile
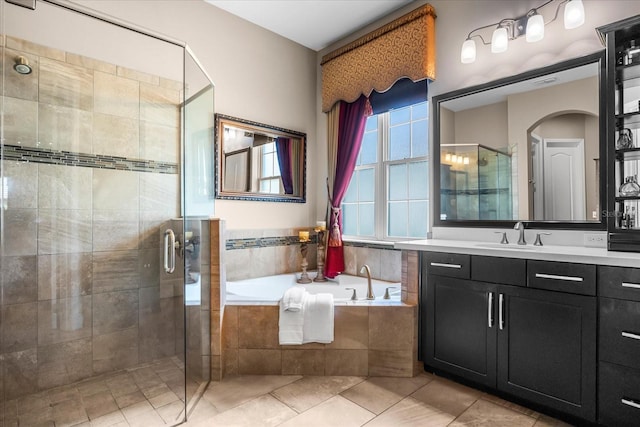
351	328
259	361
258	327
302	362
346	362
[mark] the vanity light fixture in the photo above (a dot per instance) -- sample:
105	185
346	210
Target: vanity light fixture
531	25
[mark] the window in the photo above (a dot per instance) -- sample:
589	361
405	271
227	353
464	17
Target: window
269	169
388	195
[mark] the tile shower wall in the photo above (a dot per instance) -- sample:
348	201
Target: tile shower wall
259	253
84	202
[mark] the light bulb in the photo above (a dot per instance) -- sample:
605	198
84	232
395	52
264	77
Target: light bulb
468	52
454	159
447	157
573	14
535	28
466	161
499	40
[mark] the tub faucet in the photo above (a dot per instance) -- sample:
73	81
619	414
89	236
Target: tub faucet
520	226
365	268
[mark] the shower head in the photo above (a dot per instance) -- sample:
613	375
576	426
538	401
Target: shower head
22	65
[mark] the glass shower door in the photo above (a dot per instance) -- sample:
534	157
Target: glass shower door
92	326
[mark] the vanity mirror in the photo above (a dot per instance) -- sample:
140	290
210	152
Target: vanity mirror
523	148
259	162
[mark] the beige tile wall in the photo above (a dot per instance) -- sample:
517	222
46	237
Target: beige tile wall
82	288
375	341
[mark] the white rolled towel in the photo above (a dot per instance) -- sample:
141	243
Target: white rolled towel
293	298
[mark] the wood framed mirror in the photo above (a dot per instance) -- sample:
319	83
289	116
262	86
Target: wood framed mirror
259	162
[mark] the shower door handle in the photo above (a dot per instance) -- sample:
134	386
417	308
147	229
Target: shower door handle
169	251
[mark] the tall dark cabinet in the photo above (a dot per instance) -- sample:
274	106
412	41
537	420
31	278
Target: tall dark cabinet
622	98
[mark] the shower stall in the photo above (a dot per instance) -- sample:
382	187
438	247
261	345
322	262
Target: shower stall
106	172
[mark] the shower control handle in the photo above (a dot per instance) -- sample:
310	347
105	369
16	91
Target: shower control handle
169	251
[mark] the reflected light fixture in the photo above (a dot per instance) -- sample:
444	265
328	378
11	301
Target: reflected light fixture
531	25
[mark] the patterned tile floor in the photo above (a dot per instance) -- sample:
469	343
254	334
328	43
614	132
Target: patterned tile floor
147	395
425	400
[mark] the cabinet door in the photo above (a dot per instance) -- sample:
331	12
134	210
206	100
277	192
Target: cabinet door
460	328
547	349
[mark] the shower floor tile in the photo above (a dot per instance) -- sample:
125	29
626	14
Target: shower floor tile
147	395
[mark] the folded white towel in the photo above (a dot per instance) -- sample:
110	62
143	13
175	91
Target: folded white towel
291	322
293	298
318	318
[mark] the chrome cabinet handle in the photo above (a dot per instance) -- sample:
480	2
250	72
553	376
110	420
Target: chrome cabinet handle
630	285
630	335
490	310
556	277
169	251
440	264
501	311
630	402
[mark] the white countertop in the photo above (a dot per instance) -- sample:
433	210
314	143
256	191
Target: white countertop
577	254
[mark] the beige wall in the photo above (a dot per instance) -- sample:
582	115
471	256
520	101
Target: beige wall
229	48
525	110
282	93
485	125
457	18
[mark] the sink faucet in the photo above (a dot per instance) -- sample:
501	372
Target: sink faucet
365	268
520	226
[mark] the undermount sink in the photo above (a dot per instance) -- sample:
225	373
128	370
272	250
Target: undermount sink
508	246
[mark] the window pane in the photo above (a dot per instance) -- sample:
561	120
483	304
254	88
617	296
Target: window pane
402	115
419	111
397	182
366	220
264	186
399	140
419	138
398	219
418	177
352	191
267	165
350	219
418	219
371	124
366	185
369	149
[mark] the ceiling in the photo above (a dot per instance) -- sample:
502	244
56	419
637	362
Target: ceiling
312	23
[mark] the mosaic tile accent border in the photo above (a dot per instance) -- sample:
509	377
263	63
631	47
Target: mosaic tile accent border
267	242
67	158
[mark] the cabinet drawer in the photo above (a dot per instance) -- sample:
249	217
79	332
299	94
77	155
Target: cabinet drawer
618	395
619	282
562	277
444	264
620	332
508	271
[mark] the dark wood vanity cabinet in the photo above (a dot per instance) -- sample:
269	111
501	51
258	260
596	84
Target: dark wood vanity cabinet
619	346
535	344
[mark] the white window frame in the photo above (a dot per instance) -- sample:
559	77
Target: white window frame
381	172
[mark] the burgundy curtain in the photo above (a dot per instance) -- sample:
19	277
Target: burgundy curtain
283	148
351	125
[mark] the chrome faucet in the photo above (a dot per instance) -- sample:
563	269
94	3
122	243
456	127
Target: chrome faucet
520	226
365	268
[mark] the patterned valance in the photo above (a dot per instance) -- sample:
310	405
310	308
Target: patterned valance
403	48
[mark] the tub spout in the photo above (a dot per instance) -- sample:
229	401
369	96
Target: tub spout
365	269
